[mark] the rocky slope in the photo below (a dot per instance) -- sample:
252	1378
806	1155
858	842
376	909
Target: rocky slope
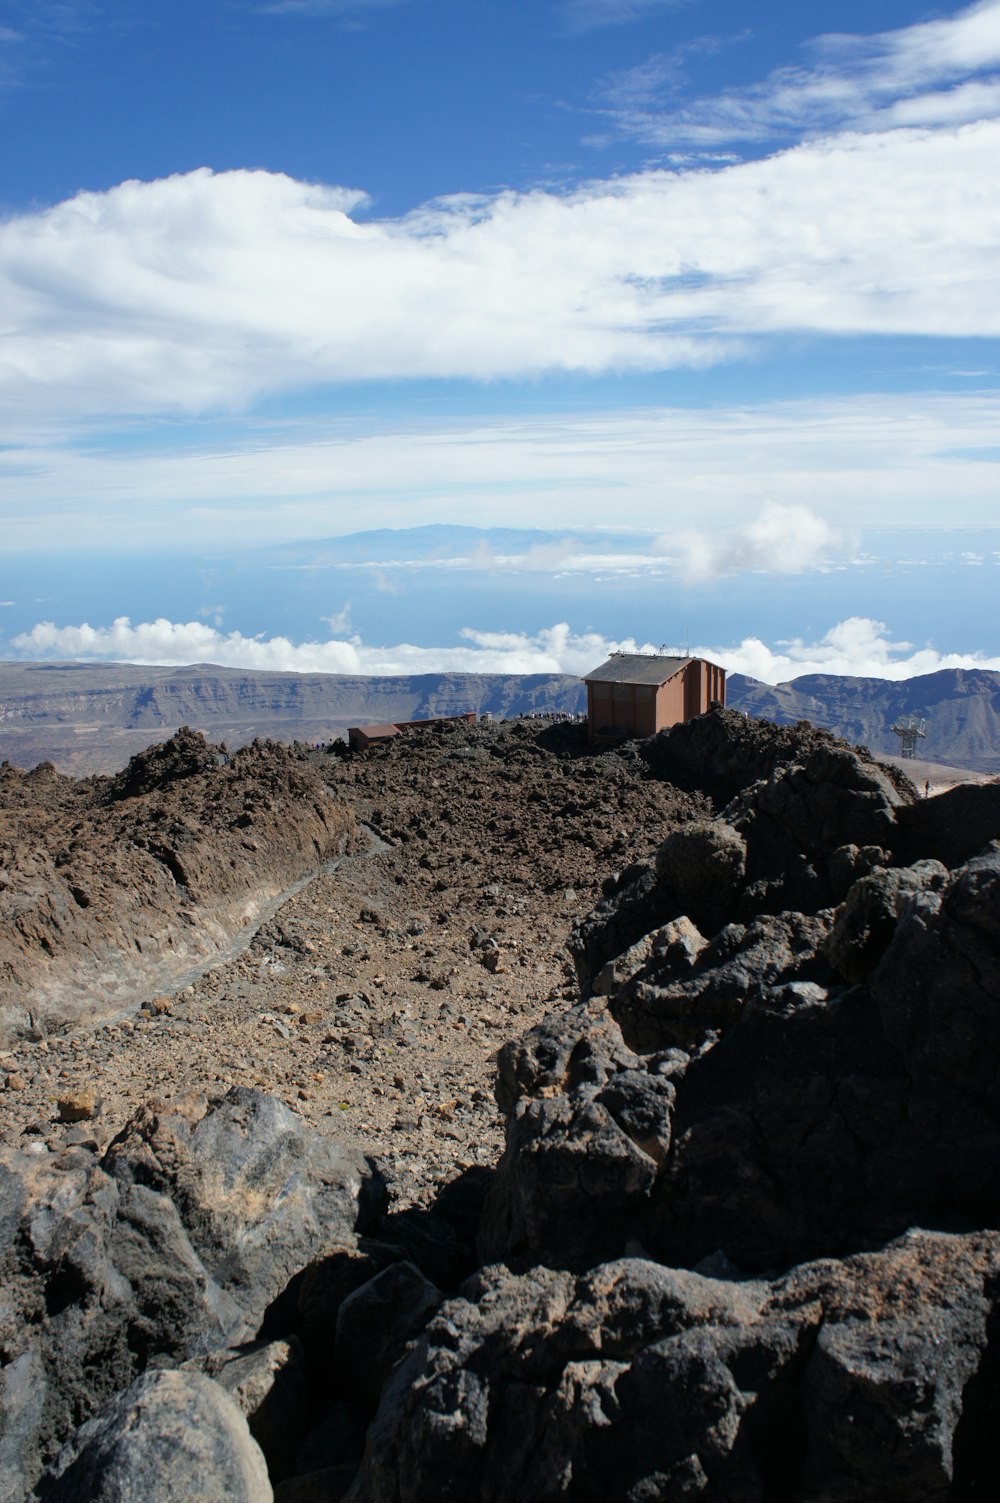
738	1240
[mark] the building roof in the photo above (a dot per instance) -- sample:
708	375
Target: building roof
375	732
636	668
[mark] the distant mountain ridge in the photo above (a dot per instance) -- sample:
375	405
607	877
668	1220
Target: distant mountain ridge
91	717
960	705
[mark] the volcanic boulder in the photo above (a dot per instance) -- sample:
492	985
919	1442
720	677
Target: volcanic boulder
868	1378
170	1436
176	1243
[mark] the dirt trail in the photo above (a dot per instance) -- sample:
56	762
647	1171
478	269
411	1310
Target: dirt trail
377	997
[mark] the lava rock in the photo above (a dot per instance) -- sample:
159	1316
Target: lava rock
375	1322
171	1437
177	1243
267	1381
634	1381
865	923
704	864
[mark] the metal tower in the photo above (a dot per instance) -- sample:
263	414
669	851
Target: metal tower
909	728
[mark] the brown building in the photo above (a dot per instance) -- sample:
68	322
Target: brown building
638	694
360	737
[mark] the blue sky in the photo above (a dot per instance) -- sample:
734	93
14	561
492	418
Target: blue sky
703	301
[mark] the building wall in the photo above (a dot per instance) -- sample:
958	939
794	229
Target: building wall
644	709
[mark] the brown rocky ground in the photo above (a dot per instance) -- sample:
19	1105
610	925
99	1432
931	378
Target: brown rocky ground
741	1242
110	886
378	996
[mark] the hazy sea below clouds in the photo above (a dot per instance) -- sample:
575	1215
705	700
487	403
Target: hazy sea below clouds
424	585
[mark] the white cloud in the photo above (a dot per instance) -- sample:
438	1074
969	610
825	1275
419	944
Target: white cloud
858	647
917	75
780	540
340	621
555	650
206	291
589	15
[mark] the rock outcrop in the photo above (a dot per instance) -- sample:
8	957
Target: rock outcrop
758	1069
91	717
177	1242
870	1378
113	888
171	1436
961	707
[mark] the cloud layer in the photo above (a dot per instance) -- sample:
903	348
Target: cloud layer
858	646
862	461
209	290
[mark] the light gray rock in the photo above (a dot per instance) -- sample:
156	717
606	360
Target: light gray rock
741	969
172	1437
175	1244
667	953
268	1384
260	1195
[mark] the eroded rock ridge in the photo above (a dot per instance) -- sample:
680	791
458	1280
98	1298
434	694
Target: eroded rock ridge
111	888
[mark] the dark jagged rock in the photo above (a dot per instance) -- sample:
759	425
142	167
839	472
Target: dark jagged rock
667	954
805	1118
785	1054
774	961
865	922
789	841
841	1381
938	986
793	823
723	752
952	827
375	1322
588	1127
172	1437
636	904
703	864
837	1066
176	1244
185	755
